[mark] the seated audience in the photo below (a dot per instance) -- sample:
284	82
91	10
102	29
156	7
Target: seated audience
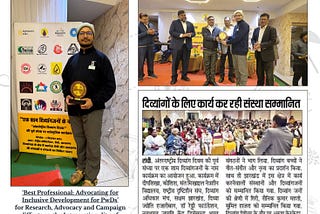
193	146
206	138
175	144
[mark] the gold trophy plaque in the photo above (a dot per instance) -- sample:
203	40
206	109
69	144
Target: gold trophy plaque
303	57
223	36
78	90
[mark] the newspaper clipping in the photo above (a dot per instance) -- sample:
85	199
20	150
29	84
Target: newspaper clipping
206	152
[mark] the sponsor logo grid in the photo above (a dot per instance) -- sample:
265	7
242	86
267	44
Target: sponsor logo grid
42	55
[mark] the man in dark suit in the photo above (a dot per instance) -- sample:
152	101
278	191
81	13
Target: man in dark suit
146	34
263	40
181	32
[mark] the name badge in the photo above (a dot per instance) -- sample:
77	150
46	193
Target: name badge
92	66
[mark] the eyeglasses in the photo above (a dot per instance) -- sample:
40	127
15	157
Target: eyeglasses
88	33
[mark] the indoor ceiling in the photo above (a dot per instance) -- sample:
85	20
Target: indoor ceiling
220	5
88	10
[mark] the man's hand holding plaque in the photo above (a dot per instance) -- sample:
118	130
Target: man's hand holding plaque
303	57
78	90
223	37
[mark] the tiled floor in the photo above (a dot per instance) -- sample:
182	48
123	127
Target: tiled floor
287	79
110	173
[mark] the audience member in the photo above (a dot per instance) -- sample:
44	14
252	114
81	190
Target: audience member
154	144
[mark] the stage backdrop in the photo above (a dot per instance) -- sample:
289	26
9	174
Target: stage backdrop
41	51
197	41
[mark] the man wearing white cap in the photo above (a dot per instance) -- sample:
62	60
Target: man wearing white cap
239	46
87	75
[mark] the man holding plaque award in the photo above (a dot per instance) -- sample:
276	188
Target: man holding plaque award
239	47
88	82
210	50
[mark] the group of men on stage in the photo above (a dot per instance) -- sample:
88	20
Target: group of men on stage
231	41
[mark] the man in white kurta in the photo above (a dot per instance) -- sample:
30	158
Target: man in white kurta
207	141
154	144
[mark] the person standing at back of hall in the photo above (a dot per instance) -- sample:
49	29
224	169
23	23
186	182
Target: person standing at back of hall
239	46
210	48
146	34
226	51
263	41
299	50
181	32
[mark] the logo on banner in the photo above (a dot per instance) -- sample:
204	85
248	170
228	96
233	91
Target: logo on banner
24	32
73	32
56	68
42	68
26	104
73	49
41	87
26	87
40	105
44	32
25	50
57	49
42	50
56	87
26	68
55	105
60	32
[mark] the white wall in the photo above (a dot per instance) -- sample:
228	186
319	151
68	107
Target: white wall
165	19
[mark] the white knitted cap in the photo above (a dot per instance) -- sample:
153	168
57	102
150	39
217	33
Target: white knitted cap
238	11
85	24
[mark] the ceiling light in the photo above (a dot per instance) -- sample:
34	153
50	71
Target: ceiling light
198	1
251	0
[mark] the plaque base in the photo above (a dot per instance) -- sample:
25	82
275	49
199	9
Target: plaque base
77	101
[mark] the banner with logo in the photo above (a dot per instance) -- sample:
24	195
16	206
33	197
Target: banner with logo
197	39
42	50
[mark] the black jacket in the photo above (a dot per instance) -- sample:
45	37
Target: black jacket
268	41
299	49
94	69
239	39
209	40
145	39
176	29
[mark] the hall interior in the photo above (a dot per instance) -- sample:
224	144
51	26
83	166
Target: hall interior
290	18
